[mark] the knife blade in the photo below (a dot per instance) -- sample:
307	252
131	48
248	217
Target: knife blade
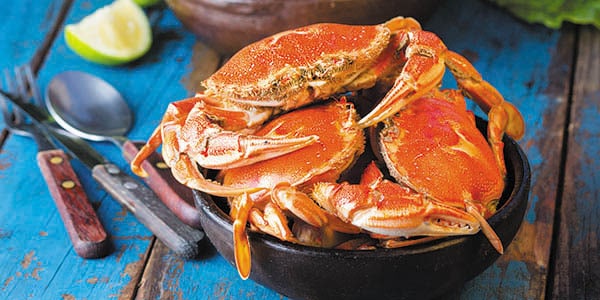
136	197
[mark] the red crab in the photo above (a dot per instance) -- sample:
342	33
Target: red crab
434	149
264	172
297	67
284	180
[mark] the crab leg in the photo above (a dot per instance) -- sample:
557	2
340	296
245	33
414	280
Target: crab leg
487	230
424	63
482	92
299	204
502	115
398	24
272	220
211	147
303	207
387	209
241	207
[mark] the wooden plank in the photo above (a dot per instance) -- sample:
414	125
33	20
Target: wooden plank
522	60
24	25
209	276
530	66
537	87
36	257
18	42
578	253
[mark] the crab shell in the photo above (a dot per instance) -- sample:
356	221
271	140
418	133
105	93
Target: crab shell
434	146
340	143
291	68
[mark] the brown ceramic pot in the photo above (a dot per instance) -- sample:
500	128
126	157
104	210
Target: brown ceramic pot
228	25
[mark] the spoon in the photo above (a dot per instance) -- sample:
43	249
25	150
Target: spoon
93	109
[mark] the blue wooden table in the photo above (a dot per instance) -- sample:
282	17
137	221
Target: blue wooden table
552	76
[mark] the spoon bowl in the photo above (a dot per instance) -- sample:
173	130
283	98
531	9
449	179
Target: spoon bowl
88	106
91	108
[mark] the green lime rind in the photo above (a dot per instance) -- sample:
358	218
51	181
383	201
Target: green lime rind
114	34
87	52
146	3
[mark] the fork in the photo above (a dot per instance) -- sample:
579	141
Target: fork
85	230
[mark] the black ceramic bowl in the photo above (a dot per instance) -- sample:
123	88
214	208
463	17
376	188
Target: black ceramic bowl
421	271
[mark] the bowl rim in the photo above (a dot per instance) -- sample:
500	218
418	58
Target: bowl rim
520	190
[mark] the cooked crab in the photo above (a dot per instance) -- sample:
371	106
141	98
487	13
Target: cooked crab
297	67
284	180
434	147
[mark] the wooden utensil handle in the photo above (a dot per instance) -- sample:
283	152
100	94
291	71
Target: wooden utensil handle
184	240
176	196
85	230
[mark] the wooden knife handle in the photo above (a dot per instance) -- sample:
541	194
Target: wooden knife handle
85	230
176	196
145	205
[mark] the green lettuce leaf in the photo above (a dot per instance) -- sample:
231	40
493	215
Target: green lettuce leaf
552	13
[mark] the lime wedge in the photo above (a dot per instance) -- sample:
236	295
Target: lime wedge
114	34
145	3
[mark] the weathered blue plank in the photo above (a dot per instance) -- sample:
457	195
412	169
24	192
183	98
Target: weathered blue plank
515	59
24	25
578	246
36	260
525	64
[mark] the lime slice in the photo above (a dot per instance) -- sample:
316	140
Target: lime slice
112	35
145	3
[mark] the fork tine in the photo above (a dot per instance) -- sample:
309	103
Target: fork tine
12	118
6	113
21	80
4	107
31	81
17	83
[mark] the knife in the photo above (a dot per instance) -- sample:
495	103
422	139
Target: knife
87	235
136	197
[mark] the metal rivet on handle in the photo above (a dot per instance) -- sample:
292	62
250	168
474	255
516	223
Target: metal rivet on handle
56	160
67	184
162	165
112	169
130	185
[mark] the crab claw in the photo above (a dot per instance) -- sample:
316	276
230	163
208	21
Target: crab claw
389	210
190	137
184	170
423	70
